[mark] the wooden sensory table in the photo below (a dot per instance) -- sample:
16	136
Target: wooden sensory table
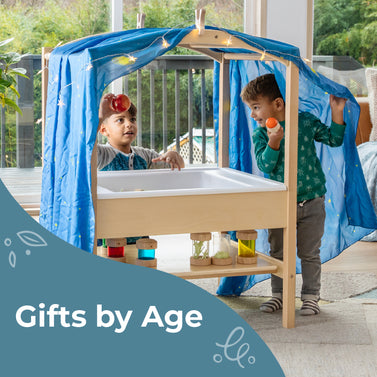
218	212
222	212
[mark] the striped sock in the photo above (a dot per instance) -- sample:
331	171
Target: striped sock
309	307
271	305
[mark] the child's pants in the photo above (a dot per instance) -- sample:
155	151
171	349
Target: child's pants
310	227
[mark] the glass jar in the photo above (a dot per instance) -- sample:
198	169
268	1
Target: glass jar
246	244
200	248
221	245
115	247
222	249
146	250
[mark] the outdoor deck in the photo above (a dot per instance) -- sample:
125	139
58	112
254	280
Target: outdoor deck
25	186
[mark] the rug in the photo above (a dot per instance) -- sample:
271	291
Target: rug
334	285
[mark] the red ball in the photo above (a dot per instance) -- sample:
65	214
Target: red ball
121	103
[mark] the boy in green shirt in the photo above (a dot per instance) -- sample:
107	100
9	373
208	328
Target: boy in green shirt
263	97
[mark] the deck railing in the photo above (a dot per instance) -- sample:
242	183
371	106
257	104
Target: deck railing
173	95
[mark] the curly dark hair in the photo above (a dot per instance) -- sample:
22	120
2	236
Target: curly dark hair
132	110
262	86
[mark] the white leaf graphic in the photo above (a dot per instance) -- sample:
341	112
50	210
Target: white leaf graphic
31	239
12	259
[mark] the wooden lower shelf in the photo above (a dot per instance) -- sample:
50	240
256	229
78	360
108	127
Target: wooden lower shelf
181	266
198	272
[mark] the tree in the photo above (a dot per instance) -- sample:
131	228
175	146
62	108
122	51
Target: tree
8	93
8	76
38	23
346	27
46	24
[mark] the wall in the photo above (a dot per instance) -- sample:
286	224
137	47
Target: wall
289	21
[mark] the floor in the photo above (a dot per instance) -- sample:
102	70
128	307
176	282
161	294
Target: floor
341	340
361	256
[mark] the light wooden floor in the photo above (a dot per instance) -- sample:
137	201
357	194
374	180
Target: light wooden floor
359	257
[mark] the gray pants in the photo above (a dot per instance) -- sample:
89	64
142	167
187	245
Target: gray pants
310	227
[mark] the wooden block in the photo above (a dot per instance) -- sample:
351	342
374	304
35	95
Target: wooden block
146	262
146	243
200	261
205	236
116	242
120	259
246	260
247	234
221	261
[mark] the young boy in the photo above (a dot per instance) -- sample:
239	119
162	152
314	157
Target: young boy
120	128
263	97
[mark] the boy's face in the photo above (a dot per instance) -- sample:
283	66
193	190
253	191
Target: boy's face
263	108
120	129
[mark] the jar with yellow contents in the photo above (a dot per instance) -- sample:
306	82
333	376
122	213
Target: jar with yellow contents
246	246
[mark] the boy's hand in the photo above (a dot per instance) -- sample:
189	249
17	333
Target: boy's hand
105	109
337	105
275	138
172	158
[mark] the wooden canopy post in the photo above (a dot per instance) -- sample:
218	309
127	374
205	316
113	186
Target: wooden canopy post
140	21
290	180
224	109
200	20
46	51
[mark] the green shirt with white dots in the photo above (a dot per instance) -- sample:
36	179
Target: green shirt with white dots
311	181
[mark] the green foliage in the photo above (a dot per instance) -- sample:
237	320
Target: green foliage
181	13
335	16
47	25
8	75
221	255
37	23
199	250
346	27
369	42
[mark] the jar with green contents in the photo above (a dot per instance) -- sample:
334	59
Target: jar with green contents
200	248
221	249
246	246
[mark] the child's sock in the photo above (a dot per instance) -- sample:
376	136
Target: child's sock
309	307
271	305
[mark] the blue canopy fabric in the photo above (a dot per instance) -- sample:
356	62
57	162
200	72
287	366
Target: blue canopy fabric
349	210
79	72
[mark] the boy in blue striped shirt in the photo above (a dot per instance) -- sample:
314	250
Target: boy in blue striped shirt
120	128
